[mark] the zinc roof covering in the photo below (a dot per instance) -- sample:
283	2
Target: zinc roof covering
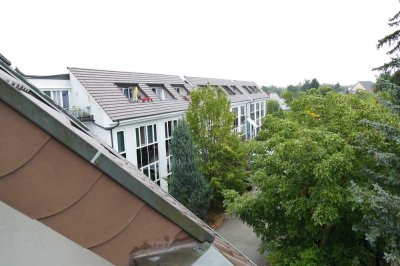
101	85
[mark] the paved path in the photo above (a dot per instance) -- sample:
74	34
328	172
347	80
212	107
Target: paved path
242	237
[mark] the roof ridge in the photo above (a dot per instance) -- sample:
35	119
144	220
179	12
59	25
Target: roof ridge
121	71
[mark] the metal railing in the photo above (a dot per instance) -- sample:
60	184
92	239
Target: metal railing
82	113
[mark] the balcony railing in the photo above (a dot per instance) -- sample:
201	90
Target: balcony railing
81	113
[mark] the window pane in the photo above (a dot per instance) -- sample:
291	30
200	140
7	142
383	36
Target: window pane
57	97
150	134
155	132
142	136
252	107
146	171
152	156
153	172
242	110
65	100
121	141
167	147
166	129
139	158
145	155
137	138
156	150
169	128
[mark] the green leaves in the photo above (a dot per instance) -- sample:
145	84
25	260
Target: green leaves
222	157
304	208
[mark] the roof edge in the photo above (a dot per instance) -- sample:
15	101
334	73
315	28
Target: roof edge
68	137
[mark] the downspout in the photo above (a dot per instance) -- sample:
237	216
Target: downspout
108	128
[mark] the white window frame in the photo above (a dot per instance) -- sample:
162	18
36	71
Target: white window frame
53	92
123	153
168	136
155	166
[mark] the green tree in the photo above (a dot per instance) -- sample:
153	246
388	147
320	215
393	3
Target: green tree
221	157
391	40
273	107
187	184
305	209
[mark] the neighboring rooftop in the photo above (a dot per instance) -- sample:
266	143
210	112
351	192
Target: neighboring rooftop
363	85
235	93
106	89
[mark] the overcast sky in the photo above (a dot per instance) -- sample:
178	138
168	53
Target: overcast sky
271	42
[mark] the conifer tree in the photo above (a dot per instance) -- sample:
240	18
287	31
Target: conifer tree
187	184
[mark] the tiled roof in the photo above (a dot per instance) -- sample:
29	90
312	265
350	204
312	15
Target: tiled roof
199	81
101	85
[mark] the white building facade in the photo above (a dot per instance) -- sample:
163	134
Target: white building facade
135	113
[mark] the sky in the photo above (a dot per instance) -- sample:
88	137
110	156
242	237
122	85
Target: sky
271	42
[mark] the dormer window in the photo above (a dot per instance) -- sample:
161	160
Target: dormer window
128	89
161	92
228	90
236	90
181	90
60	97
128	92
247	88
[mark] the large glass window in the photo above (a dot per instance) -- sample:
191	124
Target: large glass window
169	128
235	111
121	143
60	97
147	151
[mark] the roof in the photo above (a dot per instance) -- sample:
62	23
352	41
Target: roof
199	81
255	96
60	174
101	85
368	85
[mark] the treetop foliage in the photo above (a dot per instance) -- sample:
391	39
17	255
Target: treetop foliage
305	209
220	153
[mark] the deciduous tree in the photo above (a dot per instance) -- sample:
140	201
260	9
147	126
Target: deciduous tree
222	160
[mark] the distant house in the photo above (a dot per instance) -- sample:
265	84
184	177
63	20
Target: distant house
58	178
366	86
